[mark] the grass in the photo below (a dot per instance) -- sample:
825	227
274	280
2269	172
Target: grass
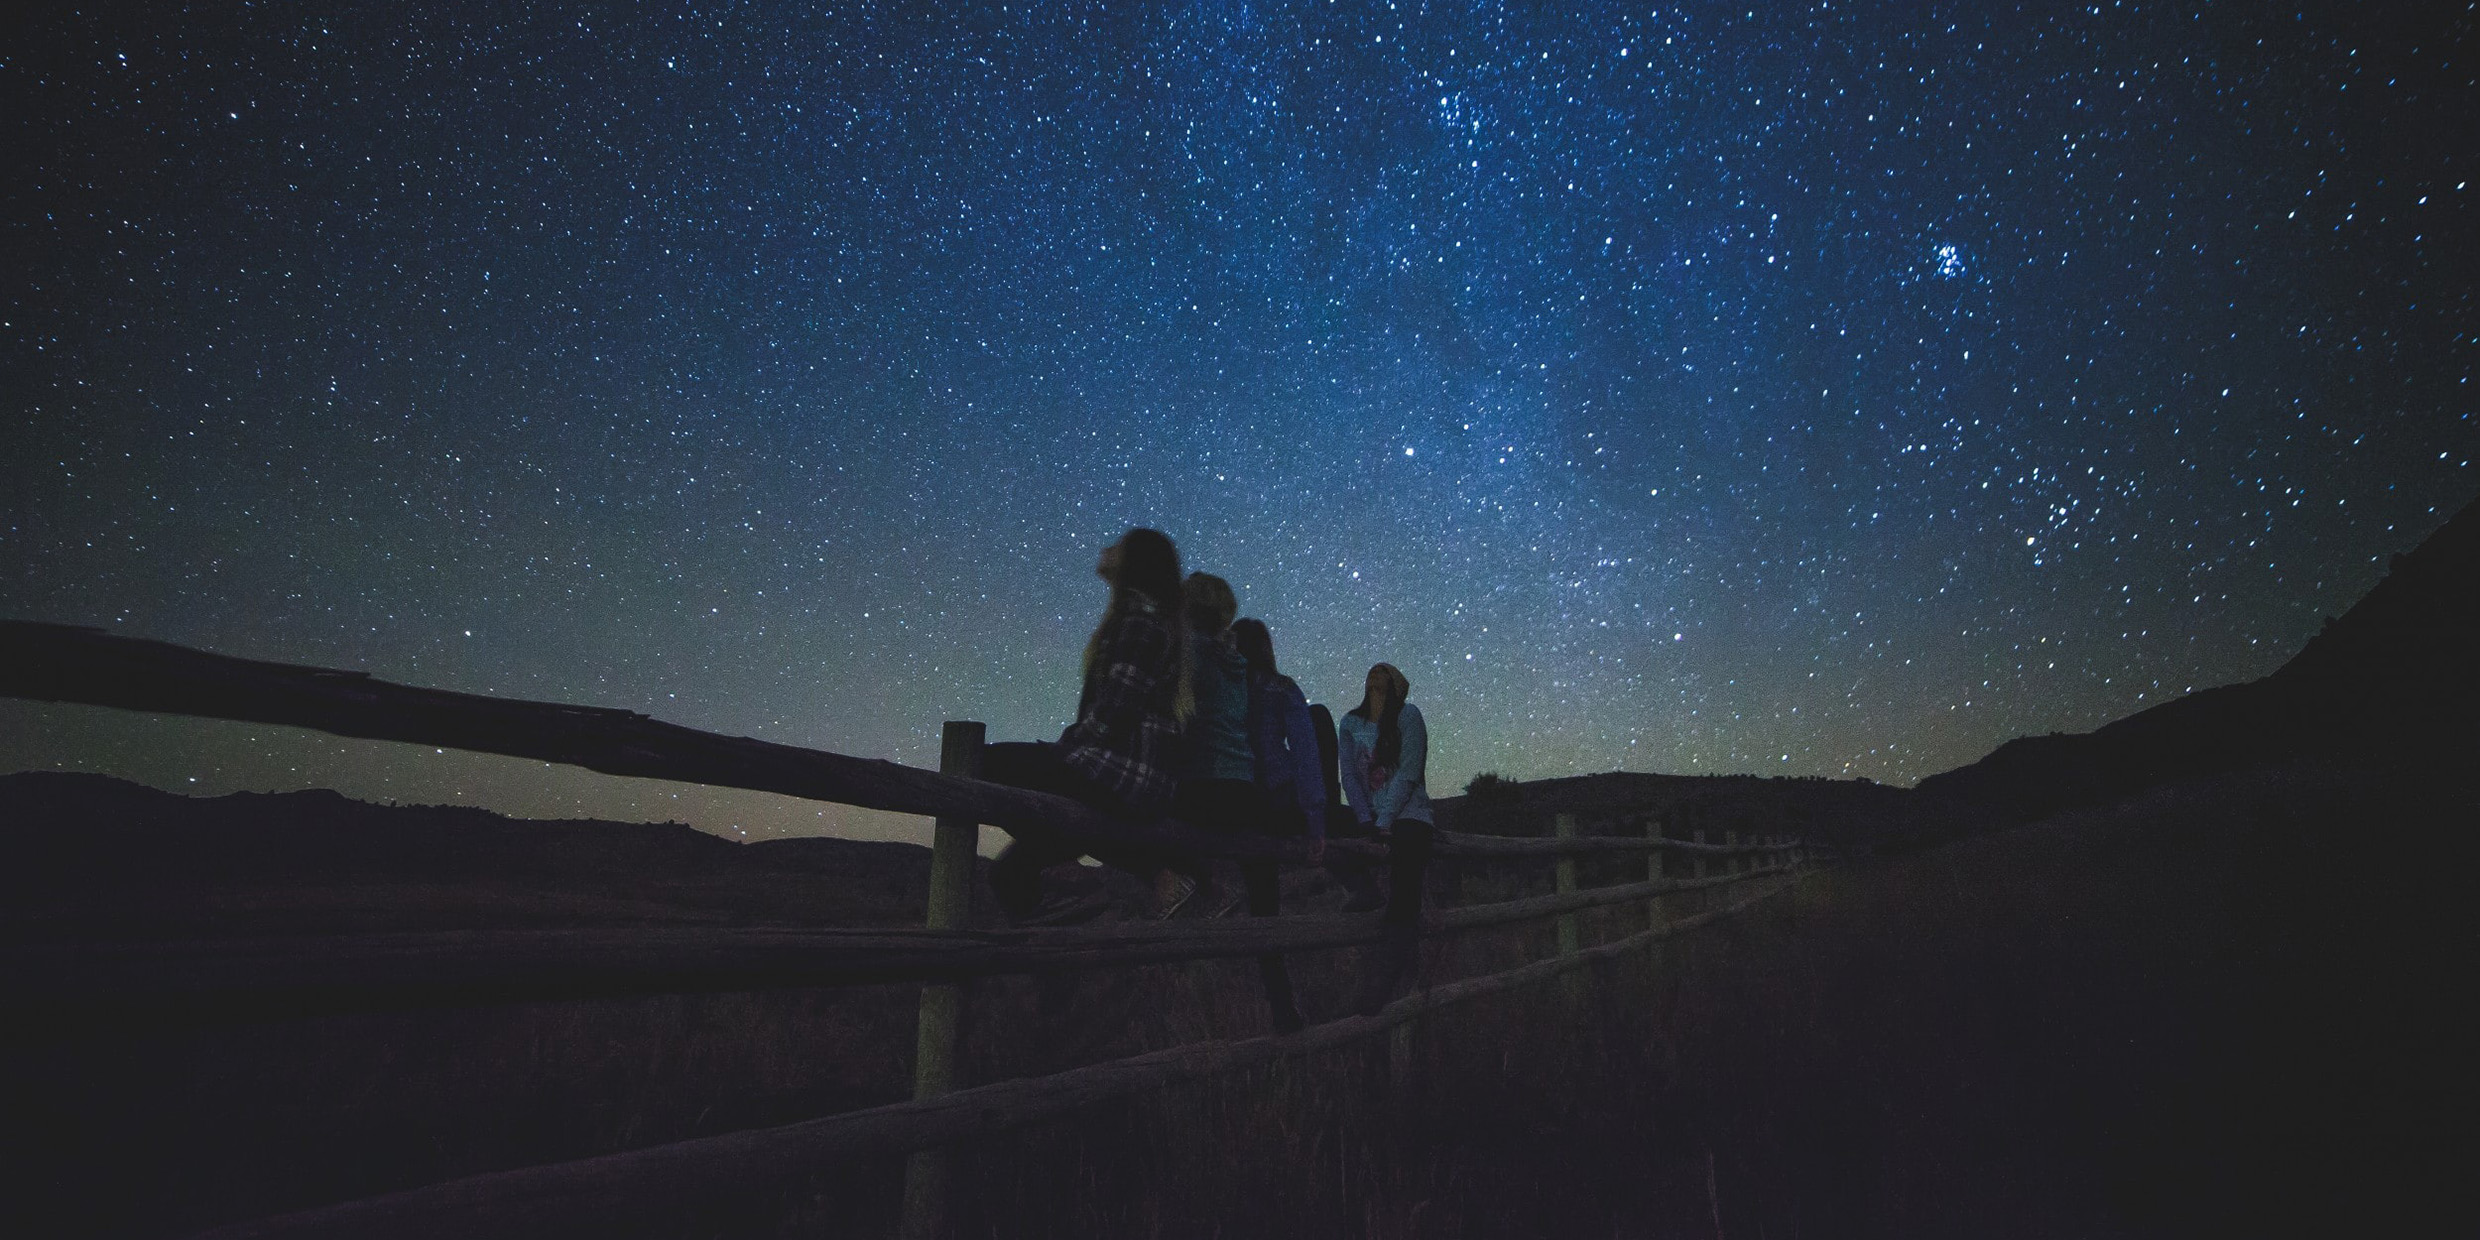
2225	1006
2229	1001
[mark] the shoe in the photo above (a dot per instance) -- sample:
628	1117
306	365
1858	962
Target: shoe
1064	910
1225	904
1183	891
1364	902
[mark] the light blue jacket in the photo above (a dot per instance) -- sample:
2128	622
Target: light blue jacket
1399	793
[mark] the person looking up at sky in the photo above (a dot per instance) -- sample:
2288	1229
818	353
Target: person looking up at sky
1283	757
1120	754
1283	742
1218	779
1383	749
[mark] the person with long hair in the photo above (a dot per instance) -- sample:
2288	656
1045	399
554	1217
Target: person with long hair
1283	741
1218	789
1382	746
1121	754
1284	776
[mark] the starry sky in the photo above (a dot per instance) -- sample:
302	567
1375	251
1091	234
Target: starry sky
1830	389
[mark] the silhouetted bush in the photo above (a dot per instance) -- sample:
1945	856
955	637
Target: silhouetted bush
1490	784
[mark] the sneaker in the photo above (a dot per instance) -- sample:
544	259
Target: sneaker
1064	910
1183	890
1226	904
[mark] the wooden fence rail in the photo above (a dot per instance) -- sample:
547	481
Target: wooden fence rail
55	991
61	663
612	1189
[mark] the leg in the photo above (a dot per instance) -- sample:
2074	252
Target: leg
1265	886
1209	805
1265	900
1397	957
1359	884
1237	807
1408	867
1016	874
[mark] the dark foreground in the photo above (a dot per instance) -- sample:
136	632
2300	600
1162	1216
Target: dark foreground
2226	1008
2224	1004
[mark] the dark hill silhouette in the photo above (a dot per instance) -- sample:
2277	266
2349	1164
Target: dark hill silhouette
2390	685
92	857
1844	813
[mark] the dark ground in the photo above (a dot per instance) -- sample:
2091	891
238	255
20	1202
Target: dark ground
2234	1002
2214	1009
2204	970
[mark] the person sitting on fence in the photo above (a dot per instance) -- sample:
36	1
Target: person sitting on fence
1340	820
1283	742
1120	754
1283	759
1218	779
1383	748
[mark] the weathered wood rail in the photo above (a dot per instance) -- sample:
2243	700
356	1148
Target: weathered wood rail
533	1201
57	991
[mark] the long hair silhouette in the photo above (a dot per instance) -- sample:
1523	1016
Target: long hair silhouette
1147	568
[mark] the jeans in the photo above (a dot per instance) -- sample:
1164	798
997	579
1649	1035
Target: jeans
1408	848
1236	806
1016	874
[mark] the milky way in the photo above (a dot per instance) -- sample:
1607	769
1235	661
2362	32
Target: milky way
1826	390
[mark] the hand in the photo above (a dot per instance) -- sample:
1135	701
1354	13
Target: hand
1317	852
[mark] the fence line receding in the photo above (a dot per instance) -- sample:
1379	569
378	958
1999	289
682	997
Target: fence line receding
57	990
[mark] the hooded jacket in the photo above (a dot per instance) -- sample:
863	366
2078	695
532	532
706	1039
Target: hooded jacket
1218	734
1380	796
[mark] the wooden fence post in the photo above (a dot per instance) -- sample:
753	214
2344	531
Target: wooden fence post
927	1175
1565	826
1570	936
1705	865
1653	873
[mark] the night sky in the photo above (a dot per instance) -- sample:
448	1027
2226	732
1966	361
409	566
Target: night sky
1832	389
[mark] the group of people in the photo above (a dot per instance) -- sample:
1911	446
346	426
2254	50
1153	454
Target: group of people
1184	712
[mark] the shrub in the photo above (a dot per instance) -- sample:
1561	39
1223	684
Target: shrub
1489	784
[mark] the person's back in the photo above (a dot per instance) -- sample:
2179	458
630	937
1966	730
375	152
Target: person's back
1283	743
1124	737
1217	736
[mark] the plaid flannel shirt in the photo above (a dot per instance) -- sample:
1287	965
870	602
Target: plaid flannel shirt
1126	738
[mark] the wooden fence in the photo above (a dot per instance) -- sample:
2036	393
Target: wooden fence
58	990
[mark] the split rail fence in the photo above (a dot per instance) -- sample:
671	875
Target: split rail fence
214	982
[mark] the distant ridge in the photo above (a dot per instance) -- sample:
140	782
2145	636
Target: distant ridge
93	856
1846	813
2392	684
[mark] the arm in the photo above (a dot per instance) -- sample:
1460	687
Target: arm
1130	667
1301	747
1348	760
1323	720
1410	772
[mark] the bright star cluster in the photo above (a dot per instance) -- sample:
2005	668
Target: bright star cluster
1831	389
